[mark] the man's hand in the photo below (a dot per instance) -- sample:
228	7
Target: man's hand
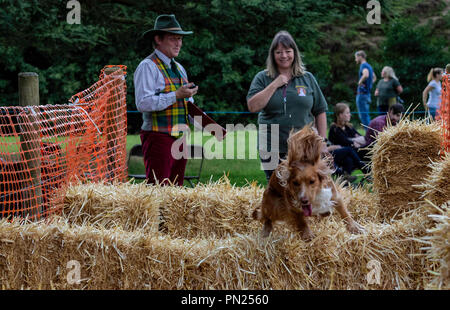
185	91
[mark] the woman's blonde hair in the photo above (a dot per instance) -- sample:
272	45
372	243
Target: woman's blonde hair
390	72
285	39
433	72
338	110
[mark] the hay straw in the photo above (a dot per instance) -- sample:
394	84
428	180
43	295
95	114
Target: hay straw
435	187
213	256
361	203
438	249
130	206
400	160
36	255
213	210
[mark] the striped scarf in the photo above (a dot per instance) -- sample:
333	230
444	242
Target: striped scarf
169	120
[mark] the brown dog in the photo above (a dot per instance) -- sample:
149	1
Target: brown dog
301	186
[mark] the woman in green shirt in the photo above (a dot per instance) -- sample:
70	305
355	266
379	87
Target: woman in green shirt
388	88
287	97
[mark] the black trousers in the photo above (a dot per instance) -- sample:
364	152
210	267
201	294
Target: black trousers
269	172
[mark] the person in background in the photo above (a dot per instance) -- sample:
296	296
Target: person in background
162	90
387	90
287	97
366	77
341	130
432	93
379	124
347	139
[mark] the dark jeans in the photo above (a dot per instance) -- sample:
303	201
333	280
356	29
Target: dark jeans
159	162
363	155
363	104
269	172
347	159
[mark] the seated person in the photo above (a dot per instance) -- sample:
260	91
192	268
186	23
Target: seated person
345	161
341	130
378	124
346	140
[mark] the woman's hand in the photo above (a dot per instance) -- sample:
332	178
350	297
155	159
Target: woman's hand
358	141
260	100
280	81
333	148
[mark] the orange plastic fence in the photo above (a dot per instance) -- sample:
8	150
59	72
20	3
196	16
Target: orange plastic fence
444	112
44	148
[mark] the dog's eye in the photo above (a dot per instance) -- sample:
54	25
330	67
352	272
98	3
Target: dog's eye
312	181
296	183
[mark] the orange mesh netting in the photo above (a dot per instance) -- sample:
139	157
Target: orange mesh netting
444	112
43	148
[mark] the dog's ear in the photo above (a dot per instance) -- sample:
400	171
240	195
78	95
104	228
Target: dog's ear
283	173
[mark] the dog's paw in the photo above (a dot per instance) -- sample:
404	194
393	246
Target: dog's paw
307	235
264	233
266	230
355	228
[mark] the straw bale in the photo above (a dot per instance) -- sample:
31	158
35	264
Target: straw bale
216	209
130	206
400	160
209	242
209	210
361	203
438	249
436	187
36	256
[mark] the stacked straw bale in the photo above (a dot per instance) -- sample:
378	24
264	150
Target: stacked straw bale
214	210
361	203
436	187
438	251
126	205
400	160
36	256
221	250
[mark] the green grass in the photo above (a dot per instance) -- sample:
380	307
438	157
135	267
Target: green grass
219	161
239	171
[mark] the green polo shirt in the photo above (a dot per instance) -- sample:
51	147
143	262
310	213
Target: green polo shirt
304	101
387	90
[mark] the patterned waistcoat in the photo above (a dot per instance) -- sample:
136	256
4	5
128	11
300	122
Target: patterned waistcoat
173	119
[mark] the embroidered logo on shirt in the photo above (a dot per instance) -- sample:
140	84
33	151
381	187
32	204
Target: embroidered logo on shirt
301	90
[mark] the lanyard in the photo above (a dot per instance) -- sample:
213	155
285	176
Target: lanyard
285	95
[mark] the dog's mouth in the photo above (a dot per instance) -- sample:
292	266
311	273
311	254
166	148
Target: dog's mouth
307	210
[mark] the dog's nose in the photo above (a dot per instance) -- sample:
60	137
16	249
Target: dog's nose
304	200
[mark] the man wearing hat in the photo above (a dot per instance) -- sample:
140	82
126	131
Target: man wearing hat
162	91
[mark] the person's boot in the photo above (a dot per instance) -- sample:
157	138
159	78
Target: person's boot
349	178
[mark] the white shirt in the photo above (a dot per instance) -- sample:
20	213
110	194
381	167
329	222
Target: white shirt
149	82
434	99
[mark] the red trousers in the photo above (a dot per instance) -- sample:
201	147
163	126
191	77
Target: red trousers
160	165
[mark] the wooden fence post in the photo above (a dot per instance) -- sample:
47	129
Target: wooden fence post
30	143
